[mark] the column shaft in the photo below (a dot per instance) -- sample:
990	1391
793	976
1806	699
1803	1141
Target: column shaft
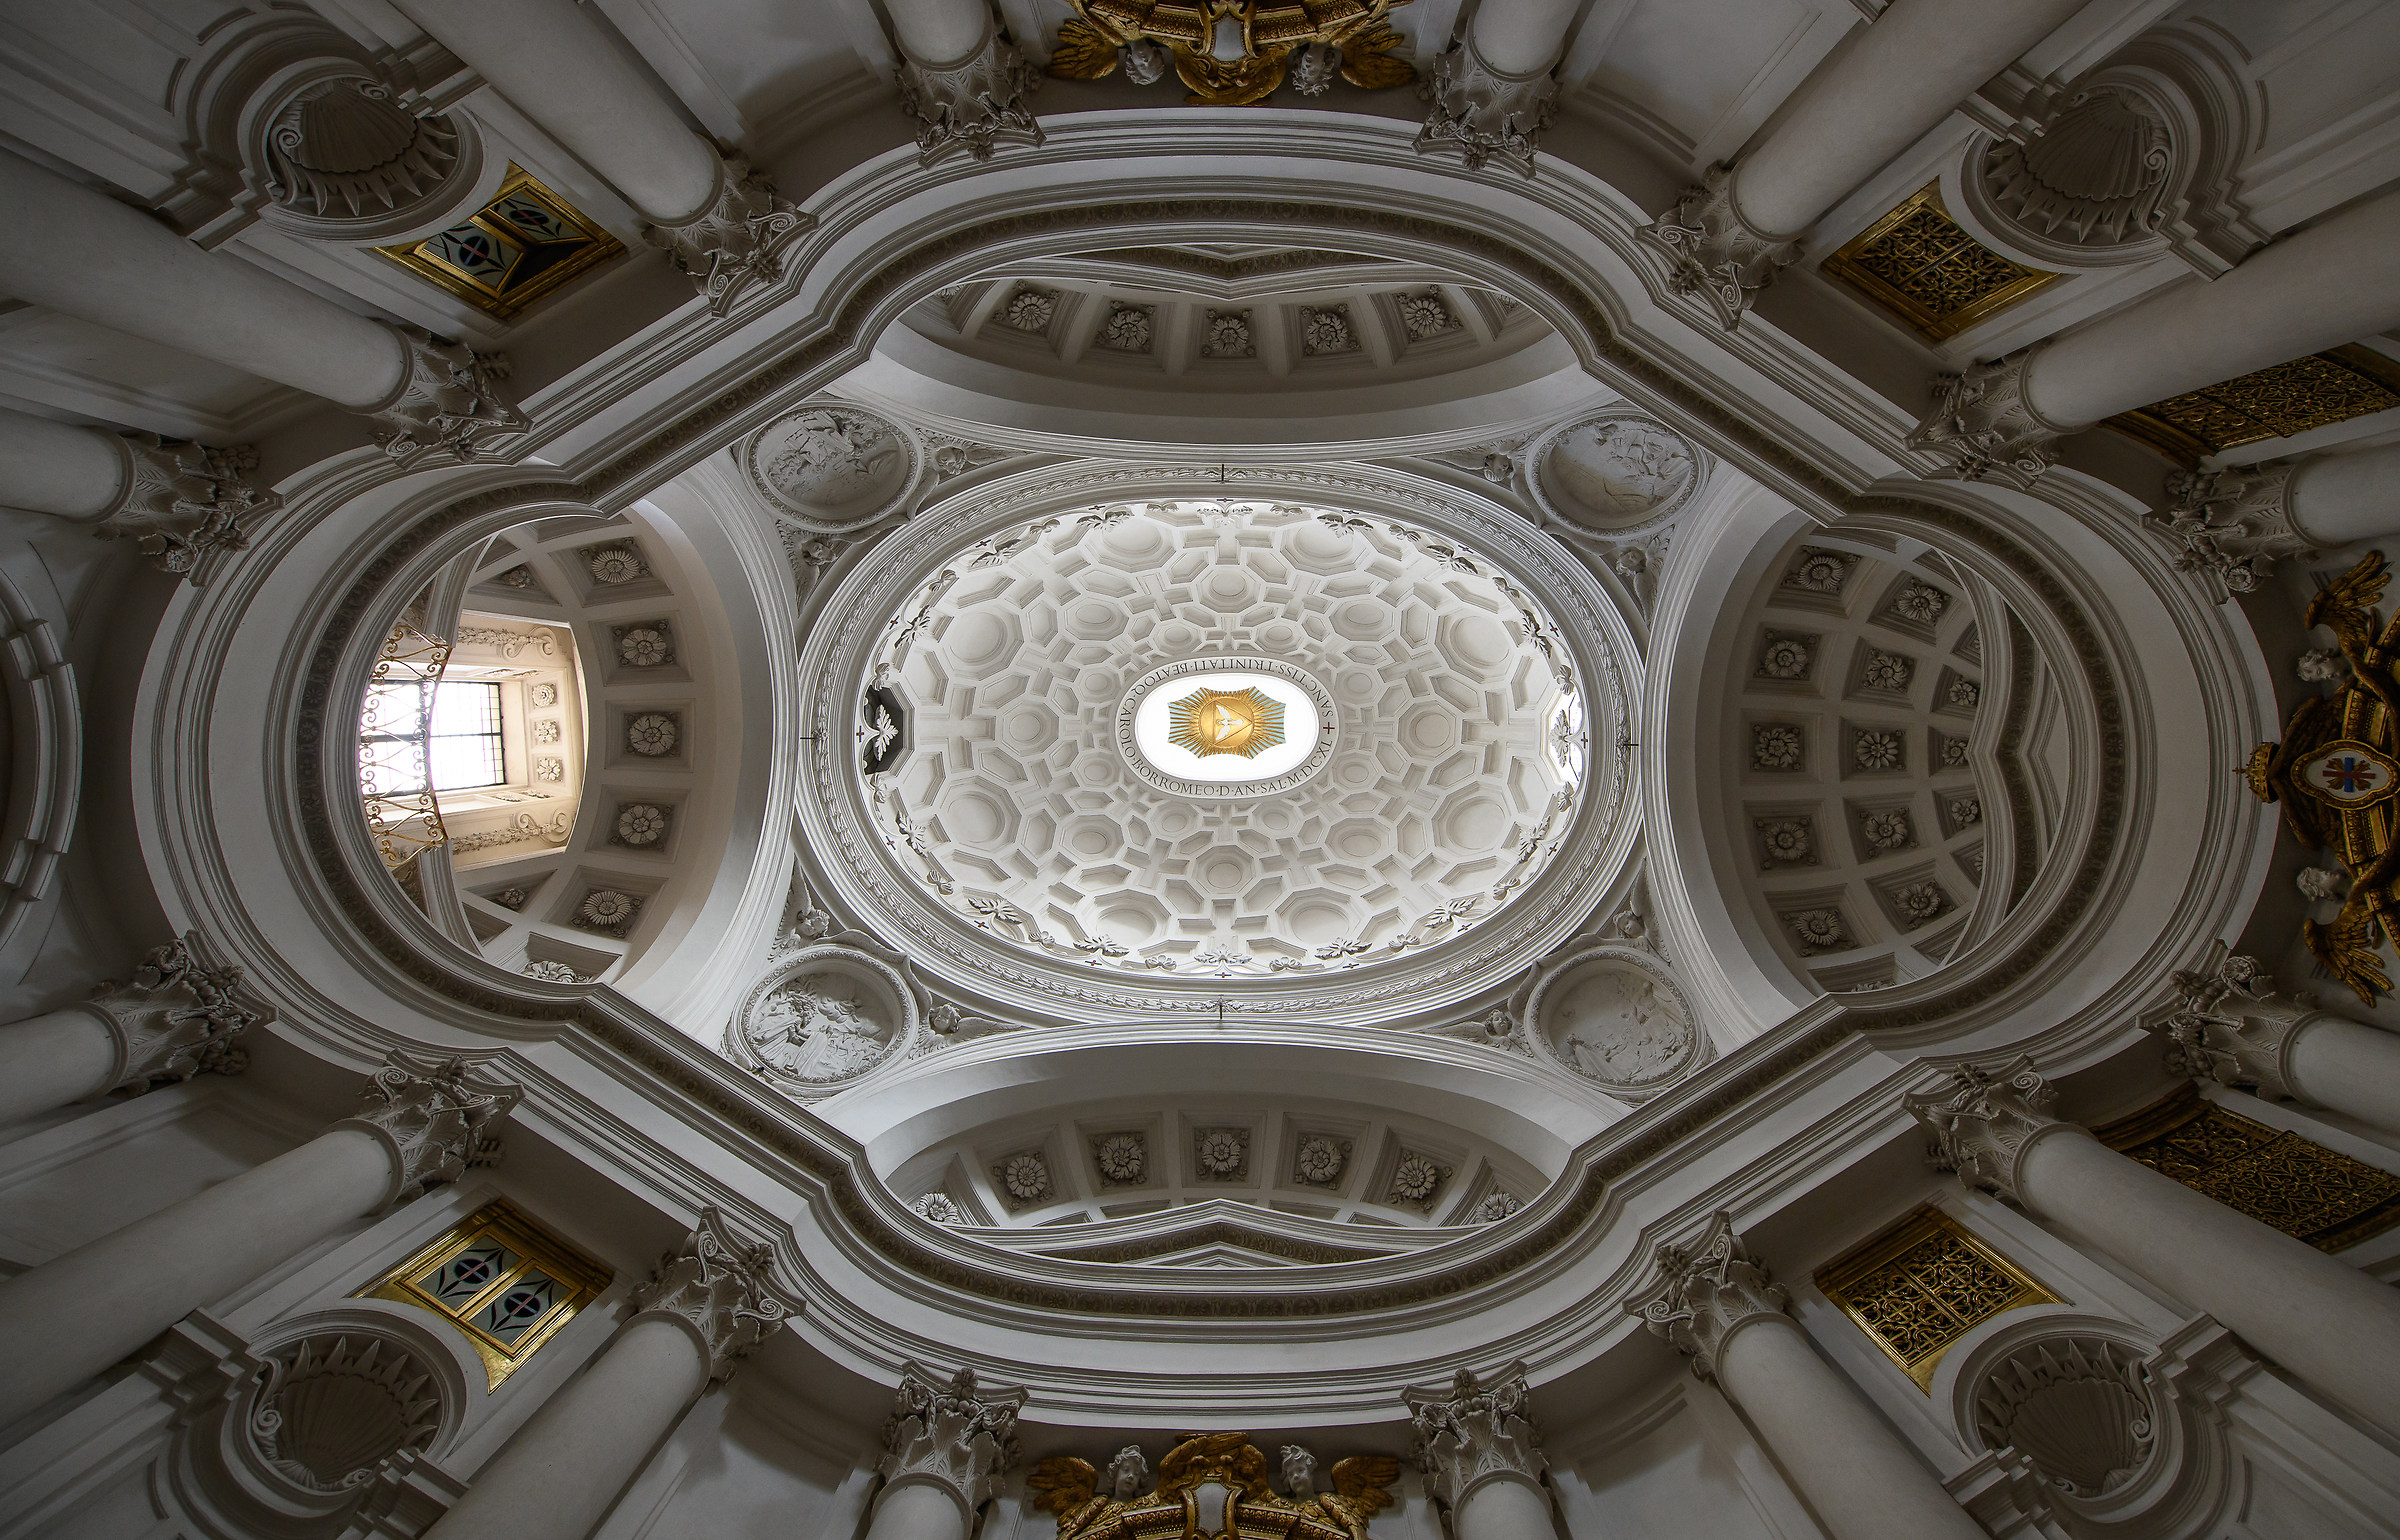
2340	498
553	61
939	32
1856	1473
917	1511
2349	1067
1504	1508
51	467
50	1060
1521	36
563	1471
2319	1317
73	1316
1890	84
2332	283
84	254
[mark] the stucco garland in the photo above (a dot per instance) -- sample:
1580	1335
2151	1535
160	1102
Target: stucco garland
1650	1133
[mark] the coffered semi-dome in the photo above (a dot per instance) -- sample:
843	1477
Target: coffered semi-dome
1183	344
1192	744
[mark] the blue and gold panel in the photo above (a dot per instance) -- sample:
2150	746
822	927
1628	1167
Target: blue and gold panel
500	1279
525	243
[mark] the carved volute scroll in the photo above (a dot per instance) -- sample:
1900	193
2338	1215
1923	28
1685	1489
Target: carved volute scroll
721	1287
1475	1430
1705	1292
177	1017
2231	1025
436	1117
1985	1120
950	1434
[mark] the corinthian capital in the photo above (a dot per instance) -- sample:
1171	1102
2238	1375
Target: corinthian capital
1718	257
732	242
722	1288
182	500
450	402
1473	1431
176	1017
2229	1025
1983	425
1985	1120
973	104
951	1435
1484	114
2232	524
1705	1292
433	1118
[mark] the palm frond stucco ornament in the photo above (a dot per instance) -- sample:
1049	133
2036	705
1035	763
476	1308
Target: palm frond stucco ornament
1308	41
2336	776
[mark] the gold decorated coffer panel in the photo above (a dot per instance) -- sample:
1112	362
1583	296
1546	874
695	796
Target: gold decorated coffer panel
1922	266
525	243
2275	1176
2275	402
1921	1285
504	1282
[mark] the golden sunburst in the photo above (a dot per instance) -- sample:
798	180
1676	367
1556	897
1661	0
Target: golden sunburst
1244	722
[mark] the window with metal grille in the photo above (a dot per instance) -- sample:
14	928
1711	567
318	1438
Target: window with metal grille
418	735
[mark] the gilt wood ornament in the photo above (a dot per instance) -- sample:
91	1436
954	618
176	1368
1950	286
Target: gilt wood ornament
1213	1486
1297	39
2335	774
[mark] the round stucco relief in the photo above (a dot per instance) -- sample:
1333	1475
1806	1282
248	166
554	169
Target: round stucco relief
833	466
1610	1016
824	1017
1613	474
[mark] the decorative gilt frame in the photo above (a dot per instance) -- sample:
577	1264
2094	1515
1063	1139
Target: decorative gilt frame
1845	267
1839	1279
2144	425
534	1247
506	306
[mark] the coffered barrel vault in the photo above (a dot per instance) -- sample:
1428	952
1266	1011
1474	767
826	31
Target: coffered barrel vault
951	769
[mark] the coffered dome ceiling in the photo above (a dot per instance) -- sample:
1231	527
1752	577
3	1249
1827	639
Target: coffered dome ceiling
1198	335
1447	768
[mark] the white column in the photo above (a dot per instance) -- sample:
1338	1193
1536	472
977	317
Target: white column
719	221
1521	36
943	1454
2332	283
1882	91
940	32
82	253
708	1309
2230	1025
2338	499
50	467
2318	1317
552	61
1493	93
52	1059
1715	1302
1481	1451
176	1017
964	83
73	1316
